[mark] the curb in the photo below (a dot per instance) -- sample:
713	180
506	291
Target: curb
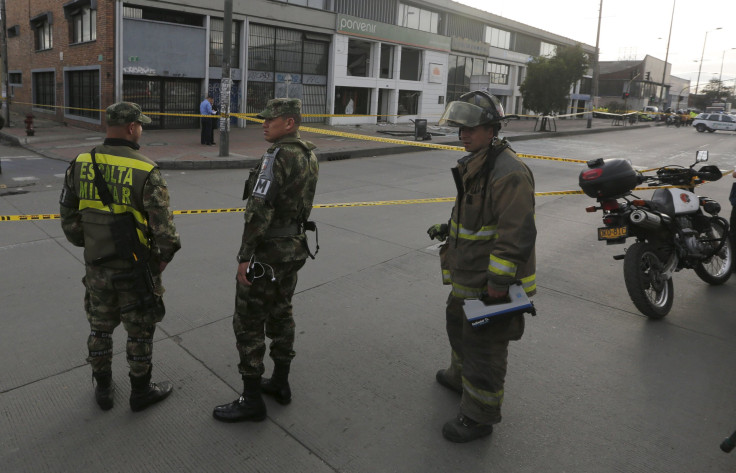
334	155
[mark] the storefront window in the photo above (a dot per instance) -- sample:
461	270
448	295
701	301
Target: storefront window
459	70
387	61
499	73
411	64
352	100
409	102
359	58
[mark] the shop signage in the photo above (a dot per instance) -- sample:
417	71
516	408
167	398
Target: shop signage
355	26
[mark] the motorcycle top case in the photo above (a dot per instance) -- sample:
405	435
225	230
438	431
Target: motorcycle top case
608	178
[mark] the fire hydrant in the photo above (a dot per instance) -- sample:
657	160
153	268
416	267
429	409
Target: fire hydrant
29	124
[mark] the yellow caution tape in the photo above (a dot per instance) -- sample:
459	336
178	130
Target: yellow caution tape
431	200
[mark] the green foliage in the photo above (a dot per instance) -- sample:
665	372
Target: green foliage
548	79
617	107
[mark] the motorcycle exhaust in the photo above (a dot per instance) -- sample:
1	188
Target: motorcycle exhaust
646	219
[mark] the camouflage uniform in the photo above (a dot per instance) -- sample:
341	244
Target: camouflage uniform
280	192
137	187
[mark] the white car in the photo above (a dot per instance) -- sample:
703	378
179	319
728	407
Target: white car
711	122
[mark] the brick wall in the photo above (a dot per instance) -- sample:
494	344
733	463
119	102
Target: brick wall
23	57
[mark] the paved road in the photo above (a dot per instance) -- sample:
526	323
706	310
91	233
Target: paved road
592	386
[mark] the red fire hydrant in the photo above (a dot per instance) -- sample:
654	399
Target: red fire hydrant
29	124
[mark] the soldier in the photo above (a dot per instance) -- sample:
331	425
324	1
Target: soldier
280	192
490	245
115	204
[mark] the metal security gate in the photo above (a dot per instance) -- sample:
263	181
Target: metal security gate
259	93
214	90
314	100
167	96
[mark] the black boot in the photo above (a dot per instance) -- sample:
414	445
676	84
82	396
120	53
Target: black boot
144	393
278	385
445	380
464	429
104	390
249	406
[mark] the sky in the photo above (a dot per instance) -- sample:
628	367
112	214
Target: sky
631	29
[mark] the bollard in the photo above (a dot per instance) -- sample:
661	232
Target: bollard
29	124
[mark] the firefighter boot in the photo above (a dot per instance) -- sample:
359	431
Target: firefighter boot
144	393
104	390
445	378
464	429
249	406
278	385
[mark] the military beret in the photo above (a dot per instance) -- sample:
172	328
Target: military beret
277	107
122	113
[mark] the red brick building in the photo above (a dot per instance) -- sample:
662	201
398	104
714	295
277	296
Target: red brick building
61	58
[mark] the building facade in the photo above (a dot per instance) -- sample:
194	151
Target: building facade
639	83
350	61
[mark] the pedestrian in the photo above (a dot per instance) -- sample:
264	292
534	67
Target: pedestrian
207	134
280	192
488	246
115	204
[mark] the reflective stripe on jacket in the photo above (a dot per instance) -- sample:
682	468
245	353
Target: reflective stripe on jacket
492	231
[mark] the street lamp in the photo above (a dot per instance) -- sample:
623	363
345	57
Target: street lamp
720	76
701	58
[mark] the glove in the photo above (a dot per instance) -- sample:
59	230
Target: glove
438	232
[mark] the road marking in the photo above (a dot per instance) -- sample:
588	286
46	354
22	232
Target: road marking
25	178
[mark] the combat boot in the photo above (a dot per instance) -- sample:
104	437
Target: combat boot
278	385
104	390
464	429
249	406
144	393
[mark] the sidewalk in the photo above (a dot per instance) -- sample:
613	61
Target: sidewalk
180	149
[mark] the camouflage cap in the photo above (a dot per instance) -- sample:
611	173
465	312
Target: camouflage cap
122	113
277	107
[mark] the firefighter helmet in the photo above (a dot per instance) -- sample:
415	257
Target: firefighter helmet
472	109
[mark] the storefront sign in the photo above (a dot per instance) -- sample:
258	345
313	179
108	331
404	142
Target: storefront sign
436	73
469	46
355	26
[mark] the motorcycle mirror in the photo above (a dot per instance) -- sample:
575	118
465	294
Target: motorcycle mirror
701	155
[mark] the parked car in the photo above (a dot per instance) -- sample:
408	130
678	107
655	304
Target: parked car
711	122
652	112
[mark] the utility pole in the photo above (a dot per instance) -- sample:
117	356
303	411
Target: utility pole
227	46
4	53
594	93
667	54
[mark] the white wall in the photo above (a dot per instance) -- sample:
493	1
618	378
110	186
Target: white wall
429	108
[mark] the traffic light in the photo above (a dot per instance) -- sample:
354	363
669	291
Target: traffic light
625	95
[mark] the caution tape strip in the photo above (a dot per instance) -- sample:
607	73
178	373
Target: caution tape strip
36	217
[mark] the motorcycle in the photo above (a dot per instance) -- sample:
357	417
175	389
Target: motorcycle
673	120
674	230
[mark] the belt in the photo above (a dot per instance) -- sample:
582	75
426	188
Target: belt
287	231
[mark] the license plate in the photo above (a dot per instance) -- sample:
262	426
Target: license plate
612	233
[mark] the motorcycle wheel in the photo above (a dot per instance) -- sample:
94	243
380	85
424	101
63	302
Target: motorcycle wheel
717	269
650	292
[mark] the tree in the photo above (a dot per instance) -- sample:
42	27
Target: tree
715	92
548	80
